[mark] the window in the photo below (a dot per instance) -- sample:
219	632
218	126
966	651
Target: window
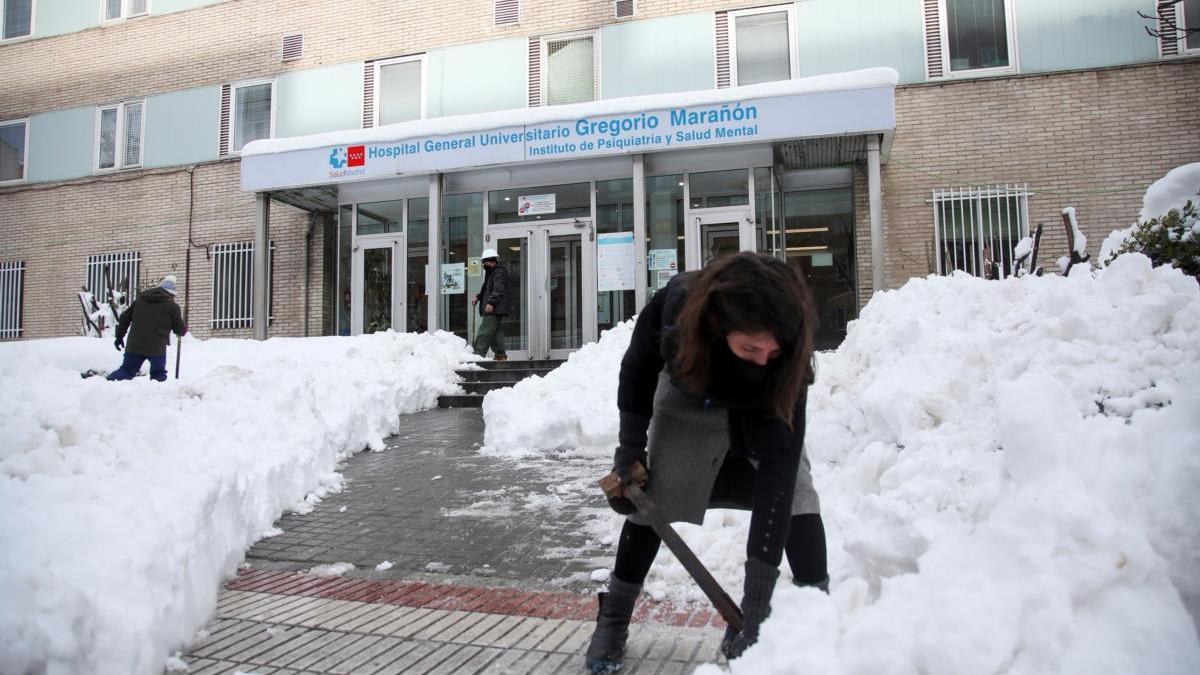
972	36
116	10
119	131
233	285
507	12
252	113
760	42
12	292
399	90
14	137
570	73
18	19
113	272
976	229
1191	25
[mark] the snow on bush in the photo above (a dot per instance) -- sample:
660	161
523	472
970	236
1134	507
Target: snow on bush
126	503
1168	230
1007	472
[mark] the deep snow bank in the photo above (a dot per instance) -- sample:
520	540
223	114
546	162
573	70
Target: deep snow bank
1007	472
125	504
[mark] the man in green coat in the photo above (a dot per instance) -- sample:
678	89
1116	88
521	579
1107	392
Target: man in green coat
494	306
154	316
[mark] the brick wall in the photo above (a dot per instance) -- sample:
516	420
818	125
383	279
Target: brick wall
241	39
1093	139
55	227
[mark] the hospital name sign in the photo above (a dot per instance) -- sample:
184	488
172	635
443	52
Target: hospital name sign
797	116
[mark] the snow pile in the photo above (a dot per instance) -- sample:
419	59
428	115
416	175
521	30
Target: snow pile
573	406
1007	471
126	503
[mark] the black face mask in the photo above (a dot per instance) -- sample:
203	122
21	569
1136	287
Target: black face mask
726	364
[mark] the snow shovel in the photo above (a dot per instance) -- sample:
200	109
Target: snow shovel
612	487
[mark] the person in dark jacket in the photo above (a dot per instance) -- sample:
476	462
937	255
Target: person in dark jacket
154	316
493	306
712	395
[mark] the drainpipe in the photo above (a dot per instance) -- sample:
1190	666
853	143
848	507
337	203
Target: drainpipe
875	191
262	243
312	225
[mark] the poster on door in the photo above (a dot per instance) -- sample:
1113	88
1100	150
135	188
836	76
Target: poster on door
454	279
663	259
536	205
614	259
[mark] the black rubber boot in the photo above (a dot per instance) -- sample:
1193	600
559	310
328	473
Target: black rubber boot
756	607
606	652
822	585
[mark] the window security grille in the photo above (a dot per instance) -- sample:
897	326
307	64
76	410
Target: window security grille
976	229
293	47
507	12
233	285
623	9
12	292
133	135
569	70
112	271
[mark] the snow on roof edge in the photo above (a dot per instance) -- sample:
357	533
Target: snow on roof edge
855	79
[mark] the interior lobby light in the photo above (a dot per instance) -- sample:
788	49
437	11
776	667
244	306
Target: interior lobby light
808	248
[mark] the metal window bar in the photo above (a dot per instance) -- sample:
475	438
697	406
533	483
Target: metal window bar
118	269
976	229
233	285
12	292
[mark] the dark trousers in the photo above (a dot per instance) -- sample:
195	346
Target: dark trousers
491	334
132	363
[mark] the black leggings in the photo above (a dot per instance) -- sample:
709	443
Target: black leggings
805	549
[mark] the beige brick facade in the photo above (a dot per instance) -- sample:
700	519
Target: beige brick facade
55	227
241	39
1094	140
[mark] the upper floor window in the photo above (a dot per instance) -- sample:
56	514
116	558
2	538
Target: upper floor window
13	141
569	69
252	115
760	42
17	16
1191	25
399	90
115	10
978	34
119	131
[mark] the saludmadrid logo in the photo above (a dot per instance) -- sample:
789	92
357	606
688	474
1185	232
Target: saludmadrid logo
348	161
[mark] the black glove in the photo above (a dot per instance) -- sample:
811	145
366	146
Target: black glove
119	343
756	607
623	460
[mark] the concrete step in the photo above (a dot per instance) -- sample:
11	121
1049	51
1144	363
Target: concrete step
496	375
508	375
461	401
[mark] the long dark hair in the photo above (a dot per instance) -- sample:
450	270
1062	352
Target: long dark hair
751	293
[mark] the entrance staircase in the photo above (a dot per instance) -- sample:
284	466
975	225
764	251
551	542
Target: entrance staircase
495	375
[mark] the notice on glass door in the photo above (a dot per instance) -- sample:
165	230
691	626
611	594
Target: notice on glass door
615	261
454	279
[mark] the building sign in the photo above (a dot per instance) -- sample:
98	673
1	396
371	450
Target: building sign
454	278
615	262
273	164
474	267
536	205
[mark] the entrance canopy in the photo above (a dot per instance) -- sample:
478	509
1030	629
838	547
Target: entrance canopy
833	107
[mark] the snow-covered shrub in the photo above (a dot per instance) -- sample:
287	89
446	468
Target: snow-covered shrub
1172	239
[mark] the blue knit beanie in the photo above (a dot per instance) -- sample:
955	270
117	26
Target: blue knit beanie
168	284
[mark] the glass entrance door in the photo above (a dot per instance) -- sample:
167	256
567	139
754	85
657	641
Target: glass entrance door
716	233
377	285
551	270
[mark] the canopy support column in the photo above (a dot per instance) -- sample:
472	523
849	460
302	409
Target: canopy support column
875	192
262	269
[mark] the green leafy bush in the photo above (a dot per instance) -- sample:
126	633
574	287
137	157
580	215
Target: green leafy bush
1173	239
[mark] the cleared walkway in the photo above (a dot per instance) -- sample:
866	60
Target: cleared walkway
483	567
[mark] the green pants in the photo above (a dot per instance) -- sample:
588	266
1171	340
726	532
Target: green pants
491	334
